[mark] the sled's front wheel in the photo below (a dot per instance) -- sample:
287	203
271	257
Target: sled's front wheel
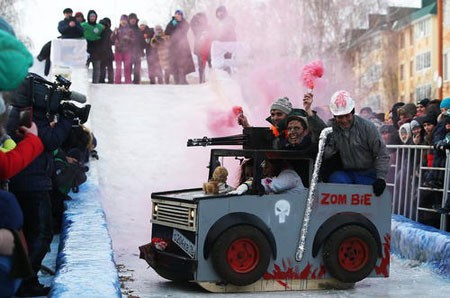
241	255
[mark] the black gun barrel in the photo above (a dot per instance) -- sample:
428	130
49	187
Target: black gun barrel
228	140
252	138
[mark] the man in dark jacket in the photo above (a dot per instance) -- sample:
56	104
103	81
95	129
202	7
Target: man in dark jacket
70	27
32	186
137	50
106	65
359	145
180	56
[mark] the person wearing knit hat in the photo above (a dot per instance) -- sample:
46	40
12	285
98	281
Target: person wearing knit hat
79	16
122	38
132	16
445	103
282	104
389	134
15	59
137	47
5	26
180	12
279	110
428	119
180	56
406	113
421	107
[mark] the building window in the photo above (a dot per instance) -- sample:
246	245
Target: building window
372	75
423	61
411	36
422	28
446	13
423	91
402	70
411	68
446	65
402	40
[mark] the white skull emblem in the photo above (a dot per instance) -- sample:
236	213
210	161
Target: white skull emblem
282	209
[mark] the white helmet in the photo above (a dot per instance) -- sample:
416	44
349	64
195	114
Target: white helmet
341	103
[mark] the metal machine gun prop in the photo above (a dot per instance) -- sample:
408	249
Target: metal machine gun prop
251	138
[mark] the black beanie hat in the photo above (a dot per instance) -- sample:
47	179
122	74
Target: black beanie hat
424	102
132	16
429	119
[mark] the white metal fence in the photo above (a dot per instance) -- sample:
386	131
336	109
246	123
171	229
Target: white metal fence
418	189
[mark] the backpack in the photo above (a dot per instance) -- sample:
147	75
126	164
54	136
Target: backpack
68	176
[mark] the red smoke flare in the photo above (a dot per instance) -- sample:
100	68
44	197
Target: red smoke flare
311	72
237	110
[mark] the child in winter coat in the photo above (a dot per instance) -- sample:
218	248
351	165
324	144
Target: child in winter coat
160	42
151	54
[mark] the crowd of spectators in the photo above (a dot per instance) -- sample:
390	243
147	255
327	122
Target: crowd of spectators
426	122
116	54
43	156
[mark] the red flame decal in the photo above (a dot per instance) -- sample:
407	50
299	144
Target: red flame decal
291	272
382	269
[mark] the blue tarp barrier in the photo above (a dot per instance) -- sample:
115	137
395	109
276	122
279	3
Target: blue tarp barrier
415	241
85	264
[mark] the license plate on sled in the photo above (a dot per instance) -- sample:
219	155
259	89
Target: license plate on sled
185	244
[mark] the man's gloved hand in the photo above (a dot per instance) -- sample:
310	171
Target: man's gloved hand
439	145
378	187
239	190
174	22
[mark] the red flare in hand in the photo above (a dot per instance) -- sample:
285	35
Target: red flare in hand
311	72
237	110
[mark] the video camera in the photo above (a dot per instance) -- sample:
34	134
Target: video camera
52	98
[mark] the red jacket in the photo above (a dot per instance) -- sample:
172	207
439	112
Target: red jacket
20	157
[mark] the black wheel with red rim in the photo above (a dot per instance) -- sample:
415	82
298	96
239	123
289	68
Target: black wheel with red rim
240	255
350	253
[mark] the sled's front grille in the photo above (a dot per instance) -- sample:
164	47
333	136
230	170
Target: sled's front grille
174	214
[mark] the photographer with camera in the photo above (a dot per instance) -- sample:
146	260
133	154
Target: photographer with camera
14	63
32	186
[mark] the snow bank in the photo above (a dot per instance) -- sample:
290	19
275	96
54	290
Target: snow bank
85	265
415	241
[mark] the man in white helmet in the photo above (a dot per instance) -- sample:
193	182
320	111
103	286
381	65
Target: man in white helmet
358	144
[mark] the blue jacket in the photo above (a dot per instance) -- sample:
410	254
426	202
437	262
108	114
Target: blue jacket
70	32
37	176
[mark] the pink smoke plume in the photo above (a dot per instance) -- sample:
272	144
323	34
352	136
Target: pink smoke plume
311	72
224	122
